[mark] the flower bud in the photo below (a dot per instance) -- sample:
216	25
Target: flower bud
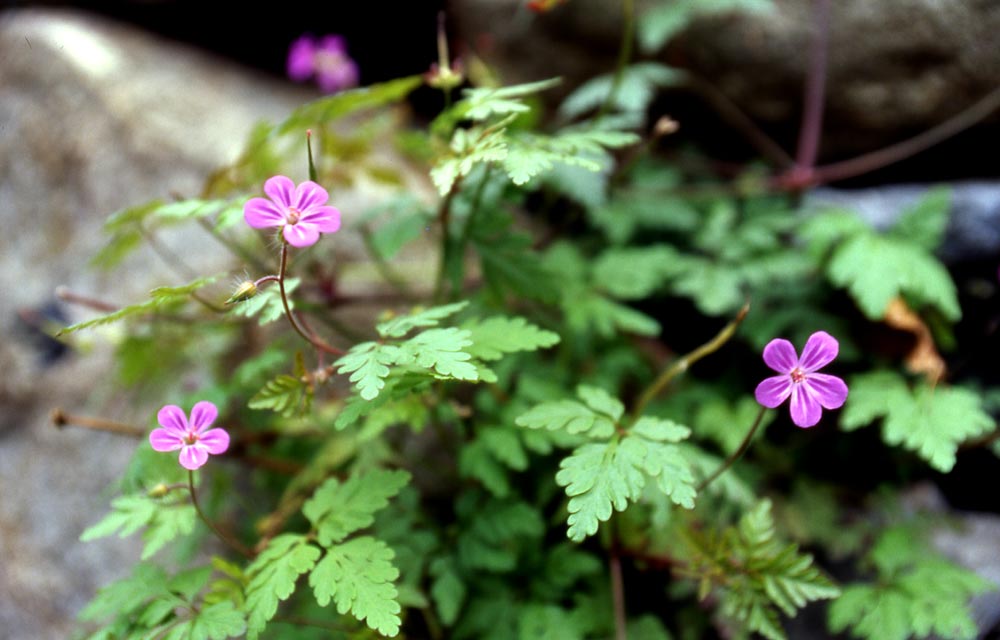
245	291
158	491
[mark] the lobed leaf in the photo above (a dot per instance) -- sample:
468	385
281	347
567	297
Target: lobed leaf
272	577
337	509
494	337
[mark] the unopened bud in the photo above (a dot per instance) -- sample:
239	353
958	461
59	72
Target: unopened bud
245	291
445	77
665	126
158	491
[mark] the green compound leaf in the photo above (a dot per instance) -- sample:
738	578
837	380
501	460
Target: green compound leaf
569	416
600	477
755	576
368	363
163	521
469	149
483	103
932	422
418	319
286	395
272	578
498	534
440	350
347	102
213	622
494	337
601	401
358	576
918	593
267	305
925	222
338	509
125	596
592	311
160	298
875	269
529	155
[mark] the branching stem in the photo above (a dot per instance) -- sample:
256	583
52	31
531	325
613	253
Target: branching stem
308	337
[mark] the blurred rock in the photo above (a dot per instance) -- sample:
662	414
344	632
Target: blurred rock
895	66
973	228
93	117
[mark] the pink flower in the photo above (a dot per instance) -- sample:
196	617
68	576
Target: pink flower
811	392
326	59
191	436
301	211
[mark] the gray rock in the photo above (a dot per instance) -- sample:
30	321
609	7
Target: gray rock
95	117
973	231
895	66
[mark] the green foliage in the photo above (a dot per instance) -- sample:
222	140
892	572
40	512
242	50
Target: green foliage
338	509
163	521
358	576
272	576
917	593
368	363
754	575
348	102
286	395
161	299
636	90
930	421
875	268
267	305
494	337
611	474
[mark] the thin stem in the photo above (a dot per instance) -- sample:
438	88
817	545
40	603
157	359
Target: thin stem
624	55
477	199
68	295
736	455
233	247
236	545
683	364
311	339
444	220
815	88
911	146
732	114
62	419
309	152
177	264
617	592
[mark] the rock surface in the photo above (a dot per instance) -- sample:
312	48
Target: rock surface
94	117
895	66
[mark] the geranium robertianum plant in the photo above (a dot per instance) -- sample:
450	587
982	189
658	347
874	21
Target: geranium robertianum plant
531	443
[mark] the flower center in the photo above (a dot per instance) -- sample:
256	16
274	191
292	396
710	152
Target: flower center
798	375
190	438
292	217
328	61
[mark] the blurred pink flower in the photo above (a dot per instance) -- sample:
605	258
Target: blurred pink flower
301	211
326	59
811	392
191	437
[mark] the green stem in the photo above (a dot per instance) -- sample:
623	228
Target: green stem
617	591
683	364
444	220
234	544
736	455
624	55
309	152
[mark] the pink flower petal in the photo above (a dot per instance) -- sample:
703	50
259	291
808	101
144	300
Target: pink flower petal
281	190
193	456
805	408
779	354
260	213
333	44
164	440
829	391
309	195
301	235
301	58
203	415
215	441
333	78
173	420
820	350
325	219
773	391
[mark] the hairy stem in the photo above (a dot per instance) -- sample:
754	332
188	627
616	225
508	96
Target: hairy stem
234	544
684	363
62	419
736	455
